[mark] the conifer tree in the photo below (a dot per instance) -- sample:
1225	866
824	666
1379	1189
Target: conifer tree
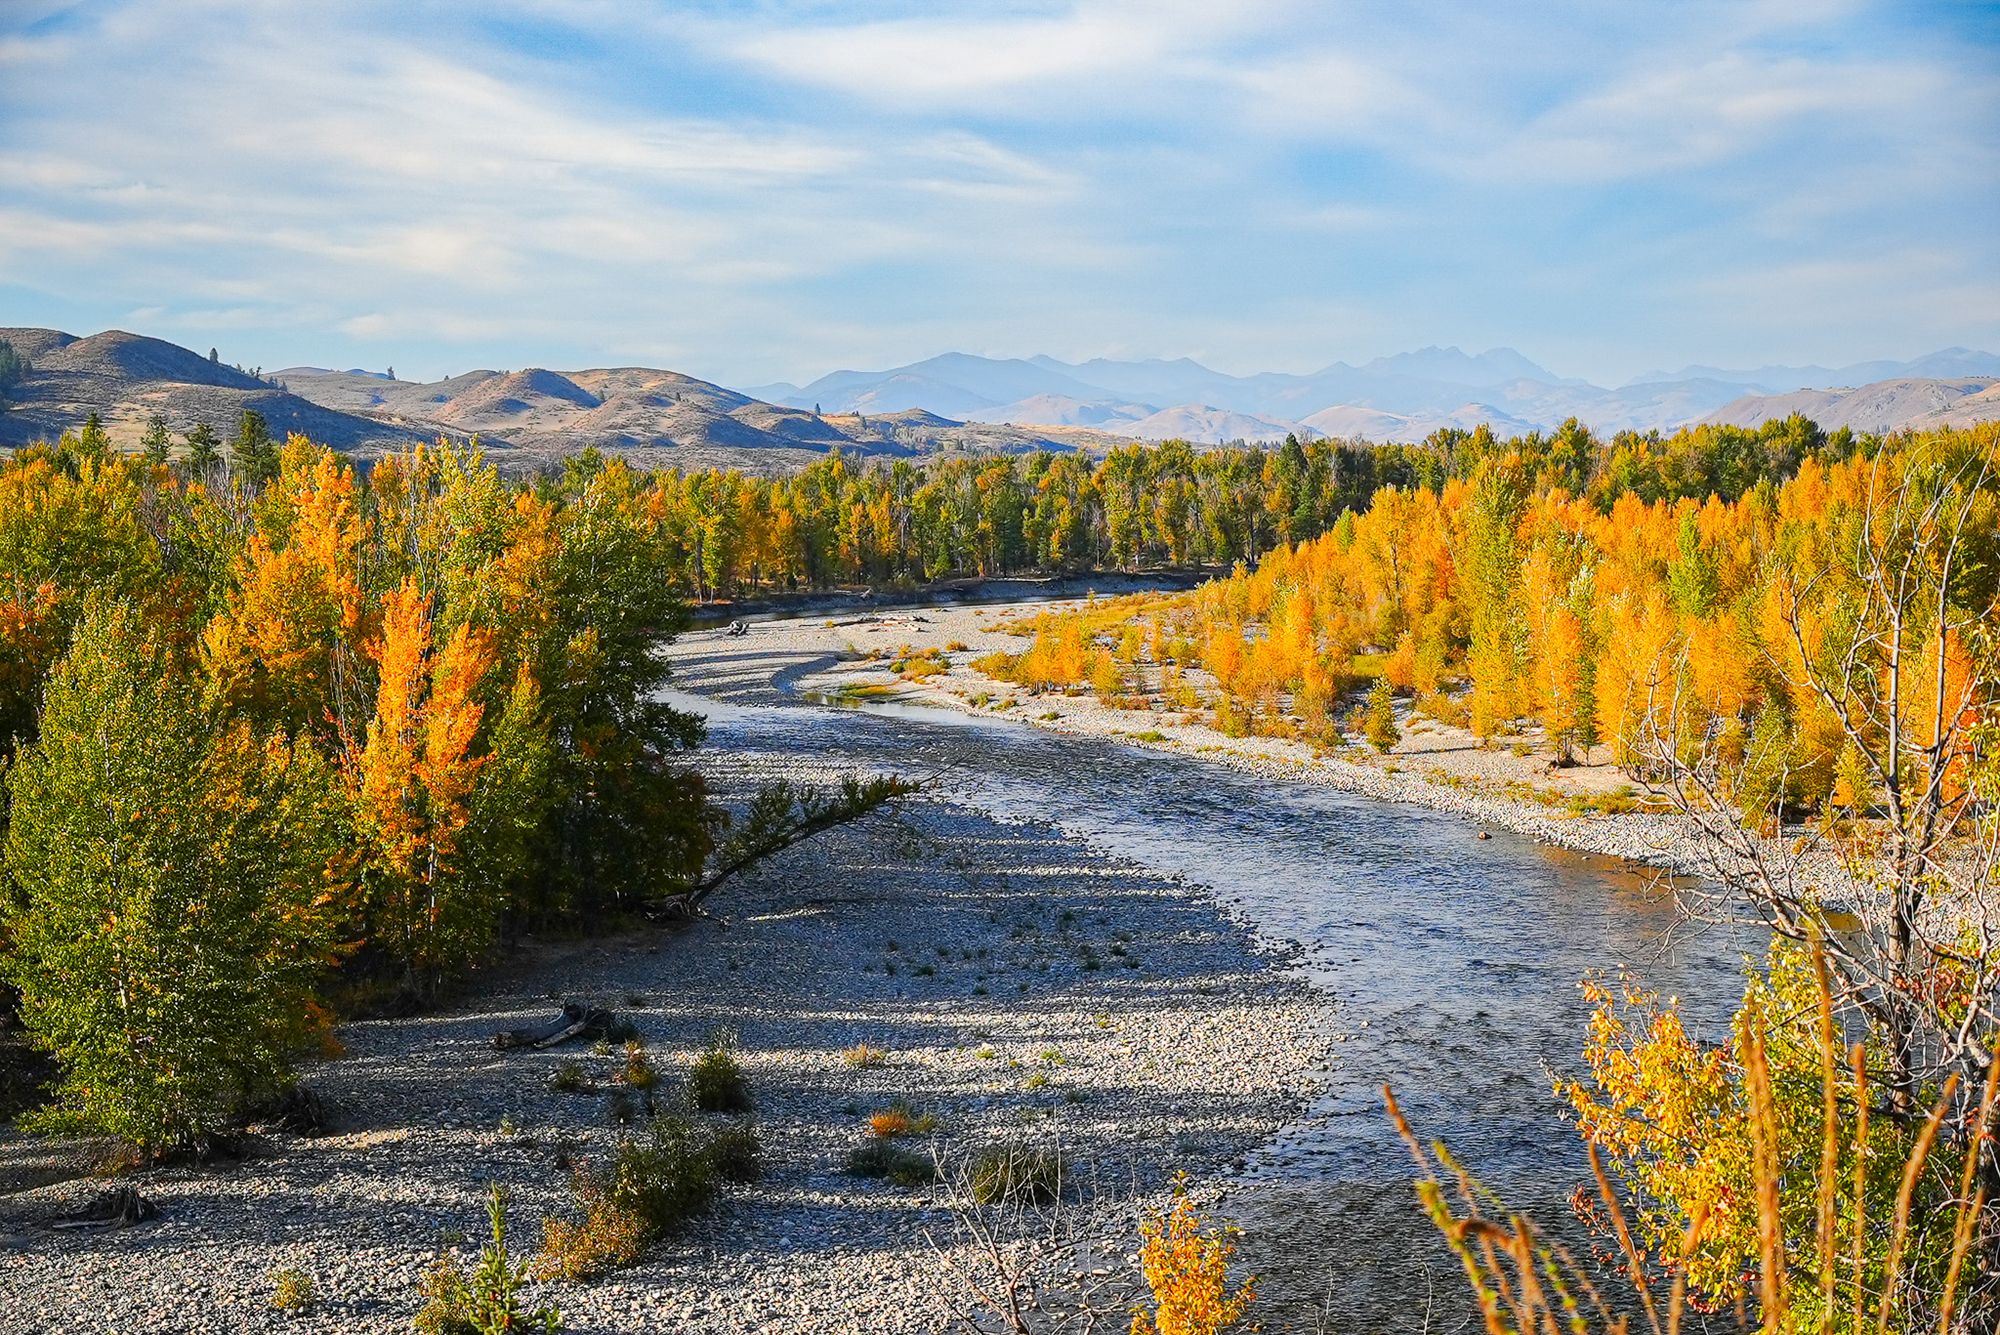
253	453
204	449
154	445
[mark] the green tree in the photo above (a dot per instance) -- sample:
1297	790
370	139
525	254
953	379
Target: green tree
155	444
1492	585
93	442
1383	734
204	448
170	876
253	453
14	369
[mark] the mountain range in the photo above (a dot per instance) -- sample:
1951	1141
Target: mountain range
1401	398
955	403
523	418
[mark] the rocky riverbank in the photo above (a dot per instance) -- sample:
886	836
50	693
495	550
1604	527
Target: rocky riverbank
1020	985
1433	765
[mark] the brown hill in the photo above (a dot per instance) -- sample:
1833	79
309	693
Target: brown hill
525	418
127	378
1885	405
119	356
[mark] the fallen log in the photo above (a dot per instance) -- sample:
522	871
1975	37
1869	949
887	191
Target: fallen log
117	1208
576	1021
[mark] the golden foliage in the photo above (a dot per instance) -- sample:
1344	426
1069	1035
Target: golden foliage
1186	1265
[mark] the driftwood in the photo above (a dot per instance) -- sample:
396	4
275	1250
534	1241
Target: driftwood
576	1021
117	1208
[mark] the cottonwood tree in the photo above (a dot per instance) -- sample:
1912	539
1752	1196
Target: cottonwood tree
171	877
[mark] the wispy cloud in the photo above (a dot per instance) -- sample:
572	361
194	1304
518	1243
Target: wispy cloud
762	191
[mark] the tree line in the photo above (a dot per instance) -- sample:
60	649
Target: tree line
843	521
261	736
1807	675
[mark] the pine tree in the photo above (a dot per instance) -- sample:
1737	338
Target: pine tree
204	449
253	453
173	874
155	444
93	442
14	369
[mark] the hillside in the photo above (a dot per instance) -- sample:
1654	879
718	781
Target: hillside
126	378
1886	405
525	418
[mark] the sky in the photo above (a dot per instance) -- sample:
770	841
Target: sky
767	191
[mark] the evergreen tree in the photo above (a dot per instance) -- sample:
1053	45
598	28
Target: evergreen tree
93	442
253	453
171	873
155	444
204	449
14	369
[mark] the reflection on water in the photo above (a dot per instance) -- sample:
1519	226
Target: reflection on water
1454	961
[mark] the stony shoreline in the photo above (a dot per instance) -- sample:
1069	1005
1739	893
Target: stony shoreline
1435	767
1023	985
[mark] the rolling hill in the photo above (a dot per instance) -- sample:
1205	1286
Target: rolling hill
952	404
1886	405
525	418
126	378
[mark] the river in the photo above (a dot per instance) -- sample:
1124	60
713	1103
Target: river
1453	960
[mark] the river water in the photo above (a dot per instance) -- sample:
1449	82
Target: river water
1453	961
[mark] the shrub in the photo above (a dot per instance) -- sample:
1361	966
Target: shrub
862	1055
890	1123
736	1152
900	1119
650	1190
1014	1173
1186	1264
291	1290
1382	732
569	1077
488	1301
715	1081
883	1158
638	1072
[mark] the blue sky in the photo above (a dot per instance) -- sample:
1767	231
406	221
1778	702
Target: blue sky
770	190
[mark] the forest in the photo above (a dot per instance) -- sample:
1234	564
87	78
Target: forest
838	522
281	739
1804	675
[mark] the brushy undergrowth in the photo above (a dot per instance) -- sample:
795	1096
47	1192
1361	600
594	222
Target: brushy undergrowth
716	1082
489	1300
863	1055
652	1188
900	1119
882	1158
1014	1173
292	1290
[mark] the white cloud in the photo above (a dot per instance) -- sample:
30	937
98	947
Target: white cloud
764	188
968	60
